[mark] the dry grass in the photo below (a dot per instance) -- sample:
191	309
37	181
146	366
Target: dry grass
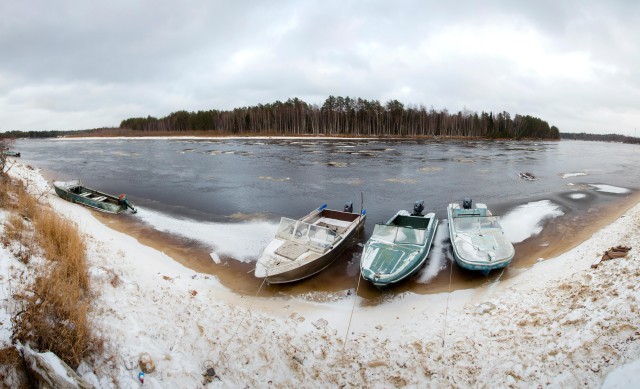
54	307
62	243
11	375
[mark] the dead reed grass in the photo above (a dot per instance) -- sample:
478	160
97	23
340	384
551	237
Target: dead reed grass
54	307
62	243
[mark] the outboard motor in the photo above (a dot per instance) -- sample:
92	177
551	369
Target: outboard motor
466	203
348	207
123	200
418	207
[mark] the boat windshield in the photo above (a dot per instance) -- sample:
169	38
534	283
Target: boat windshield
399	235
306	234
476	223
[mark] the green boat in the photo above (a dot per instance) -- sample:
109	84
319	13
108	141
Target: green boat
478	241
11	153
398	248
75	192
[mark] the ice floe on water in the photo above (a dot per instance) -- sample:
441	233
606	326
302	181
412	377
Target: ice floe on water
610	189
401	180
337	164
241	241
569	175
577	196
279	179
527	220
430	169
437	258
527	176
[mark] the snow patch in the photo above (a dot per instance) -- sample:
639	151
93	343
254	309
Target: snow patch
610	189
526	220
626	376
242	241
577	196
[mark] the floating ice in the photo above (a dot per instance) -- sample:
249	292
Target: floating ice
567	175
242	241
527	176
429	169
610	189
269	178
401	180
577	196
526	220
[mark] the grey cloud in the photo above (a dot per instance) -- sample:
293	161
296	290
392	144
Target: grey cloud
74	64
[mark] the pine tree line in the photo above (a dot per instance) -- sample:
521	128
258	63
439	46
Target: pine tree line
347	116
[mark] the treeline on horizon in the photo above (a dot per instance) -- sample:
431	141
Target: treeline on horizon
346	116
38	134
600	137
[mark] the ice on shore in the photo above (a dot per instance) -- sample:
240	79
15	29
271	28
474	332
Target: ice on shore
242	241
436	261
527	220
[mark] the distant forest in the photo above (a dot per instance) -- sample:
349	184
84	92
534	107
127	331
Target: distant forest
344	116
600	137
38	134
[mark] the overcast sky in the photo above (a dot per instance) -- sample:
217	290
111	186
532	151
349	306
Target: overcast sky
84	64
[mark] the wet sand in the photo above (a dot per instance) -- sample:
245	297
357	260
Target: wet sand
559	235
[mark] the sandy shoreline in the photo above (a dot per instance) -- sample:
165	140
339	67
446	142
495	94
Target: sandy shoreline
559	323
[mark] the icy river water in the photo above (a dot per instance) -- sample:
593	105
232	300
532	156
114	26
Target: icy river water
214	204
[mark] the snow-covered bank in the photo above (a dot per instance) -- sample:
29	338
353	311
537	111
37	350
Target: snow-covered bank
559	323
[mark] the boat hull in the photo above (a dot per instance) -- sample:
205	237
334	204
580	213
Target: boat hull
280	262
311	268
108	204
384	264
471	256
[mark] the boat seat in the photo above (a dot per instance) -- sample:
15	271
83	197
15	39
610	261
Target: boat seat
100	198
85	194
291	250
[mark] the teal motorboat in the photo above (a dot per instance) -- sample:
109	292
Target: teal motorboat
75	192
398	248
478	241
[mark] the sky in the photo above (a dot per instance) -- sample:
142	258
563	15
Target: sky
69	65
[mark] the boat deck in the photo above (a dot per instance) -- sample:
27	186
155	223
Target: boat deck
338	226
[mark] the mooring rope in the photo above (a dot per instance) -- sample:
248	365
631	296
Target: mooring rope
224	350
446	312
355	298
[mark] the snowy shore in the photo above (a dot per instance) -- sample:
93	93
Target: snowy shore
559	323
